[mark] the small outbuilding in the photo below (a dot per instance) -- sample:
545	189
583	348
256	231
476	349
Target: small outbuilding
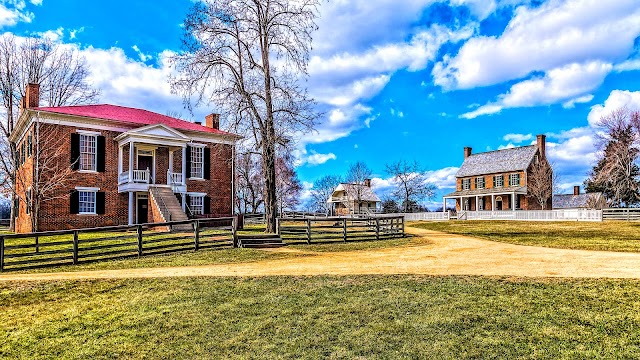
577	200
348	199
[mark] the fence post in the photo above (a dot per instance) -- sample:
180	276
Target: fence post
308	231
344	229
139	232
196	234
1	253
234	233
401	219
37	244
377	229
278	226
75	247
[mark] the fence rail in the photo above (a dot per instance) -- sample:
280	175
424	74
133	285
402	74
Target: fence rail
325	229
624	214
71	247
424	216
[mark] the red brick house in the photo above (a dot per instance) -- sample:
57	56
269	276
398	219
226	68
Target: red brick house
129	165
497	180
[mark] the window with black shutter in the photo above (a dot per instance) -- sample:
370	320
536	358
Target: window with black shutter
29	145
23	153
100	202
75	151
16	207
74	201
188	162
207	205
100	151
207	163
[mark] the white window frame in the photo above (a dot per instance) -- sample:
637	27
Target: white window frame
195	149
196	208
87	190
512	178
501	183
480	183
466	184
86	135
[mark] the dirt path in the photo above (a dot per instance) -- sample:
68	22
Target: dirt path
445	255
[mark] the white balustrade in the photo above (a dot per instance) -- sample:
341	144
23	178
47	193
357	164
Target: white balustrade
141	176
175	178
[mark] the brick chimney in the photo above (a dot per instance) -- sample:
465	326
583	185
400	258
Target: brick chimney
212	121
32	96
367	182
576	190
467	152
542	145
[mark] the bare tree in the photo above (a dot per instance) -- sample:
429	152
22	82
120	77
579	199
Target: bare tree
249	184
411	182
288	186
63	76
617	174
42	176
358	174
322	191
541	182
249	57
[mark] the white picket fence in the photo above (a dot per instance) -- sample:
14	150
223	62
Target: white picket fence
537	215
425	216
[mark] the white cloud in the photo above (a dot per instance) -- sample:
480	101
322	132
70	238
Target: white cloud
544	38
143	57
629	65
579	100
617	99
480	8
518	138
12	12
570	83
347	94
318	159
36	2
443	178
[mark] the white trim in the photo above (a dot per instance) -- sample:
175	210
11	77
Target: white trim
192	144
81	188
90	133
196	194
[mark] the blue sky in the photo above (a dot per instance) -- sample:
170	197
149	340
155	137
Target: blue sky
413	79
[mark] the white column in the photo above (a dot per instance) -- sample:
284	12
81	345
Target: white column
493	202
477	203
119	160
184	166
131	202
131	149
170	171
513	201
444	204
184	202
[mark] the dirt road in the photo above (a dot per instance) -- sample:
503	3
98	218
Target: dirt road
445	254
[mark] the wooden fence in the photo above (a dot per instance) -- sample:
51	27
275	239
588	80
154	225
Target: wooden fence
624	214
425	216
326	229
70	247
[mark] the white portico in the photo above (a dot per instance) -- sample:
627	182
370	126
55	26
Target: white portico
146	157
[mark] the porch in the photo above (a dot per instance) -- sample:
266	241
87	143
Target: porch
488	199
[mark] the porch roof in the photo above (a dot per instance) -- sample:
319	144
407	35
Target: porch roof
482	192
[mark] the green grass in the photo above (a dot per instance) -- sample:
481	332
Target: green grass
321	317
609	236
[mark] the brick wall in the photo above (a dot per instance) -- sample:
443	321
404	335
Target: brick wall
219	185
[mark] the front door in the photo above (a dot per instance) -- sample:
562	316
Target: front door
146	162
143	211
498	203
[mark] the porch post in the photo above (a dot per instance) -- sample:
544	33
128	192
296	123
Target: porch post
444	204
513	201
477	203
131	202
119	160
184	202
184	168
131	163
170	167
493	202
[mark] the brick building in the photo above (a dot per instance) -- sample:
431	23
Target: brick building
128	165
497	180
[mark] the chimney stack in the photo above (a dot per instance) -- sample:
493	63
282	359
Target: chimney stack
32	96
212	121
467	152
367	182
542	145
576	190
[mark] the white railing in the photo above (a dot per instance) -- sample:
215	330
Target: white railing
141	176
537	215
424	216
626	214
175	178
123	178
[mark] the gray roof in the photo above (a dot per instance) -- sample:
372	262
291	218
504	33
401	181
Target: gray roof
499	161
351	190
570	201
496	191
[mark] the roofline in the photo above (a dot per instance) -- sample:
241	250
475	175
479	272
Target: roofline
492	151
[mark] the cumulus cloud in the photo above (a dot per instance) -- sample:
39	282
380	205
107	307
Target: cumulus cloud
617	99
570	83
12	12
544	38
517	138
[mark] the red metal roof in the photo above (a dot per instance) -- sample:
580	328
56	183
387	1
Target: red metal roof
129	115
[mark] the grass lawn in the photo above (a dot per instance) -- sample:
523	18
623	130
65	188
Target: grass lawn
321	317
608	235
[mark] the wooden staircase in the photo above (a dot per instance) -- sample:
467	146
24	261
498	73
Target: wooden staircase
260	241
165	200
